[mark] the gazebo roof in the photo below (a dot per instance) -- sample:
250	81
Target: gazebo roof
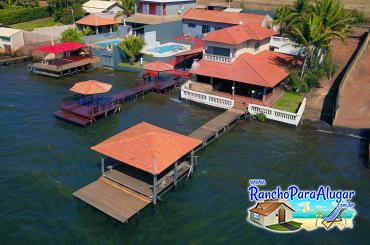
147	147
158	66
91	87
99	20
61	47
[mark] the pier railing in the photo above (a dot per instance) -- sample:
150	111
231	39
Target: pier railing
208	99
279	115
97	109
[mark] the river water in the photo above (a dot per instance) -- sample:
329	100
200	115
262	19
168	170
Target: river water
43	160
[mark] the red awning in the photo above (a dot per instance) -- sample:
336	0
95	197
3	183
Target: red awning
61	47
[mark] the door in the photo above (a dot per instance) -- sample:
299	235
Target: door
7	49
281	215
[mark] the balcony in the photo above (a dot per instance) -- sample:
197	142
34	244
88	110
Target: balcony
209	99
217	58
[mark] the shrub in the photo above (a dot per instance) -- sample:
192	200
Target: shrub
71	35
17	15
87	31
132	46
260	116
66	16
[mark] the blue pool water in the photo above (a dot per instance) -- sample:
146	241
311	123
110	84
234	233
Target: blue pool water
113	42
165	49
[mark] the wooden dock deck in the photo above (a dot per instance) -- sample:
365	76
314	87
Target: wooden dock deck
121	195
14	60
112	199
84	115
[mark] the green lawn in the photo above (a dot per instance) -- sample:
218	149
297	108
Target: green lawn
277	227
129	65
30	25
289	102
295	224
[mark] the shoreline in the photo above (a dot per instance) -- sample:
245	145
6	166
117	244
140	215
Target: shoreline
310	223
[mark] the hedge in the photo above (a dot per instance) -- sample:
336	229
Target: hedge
18	15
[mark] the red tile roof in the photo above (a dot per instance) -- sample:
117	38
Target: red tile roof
265	69
61	47
97	20
147	147
223	17
266	208
239	34
158	66
91	87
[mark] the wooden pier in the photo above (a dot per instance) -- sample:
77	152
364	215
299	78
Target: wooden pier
84	114
121	192
218	126
14	60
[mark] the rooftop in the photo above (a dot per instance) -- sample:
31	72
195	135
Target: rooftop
95	6
266	208
264	69
149	19
8	32
101	19
147	147
223	17
238	34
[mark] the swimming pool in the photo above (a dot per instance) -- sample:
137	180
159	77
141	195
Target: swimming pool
164	49
113	42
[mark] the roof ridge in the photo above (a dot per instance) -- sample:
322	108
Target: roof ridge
246	28
230	35
254	70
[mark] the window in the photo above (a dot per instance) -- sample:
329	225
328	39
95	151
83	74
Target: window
218	28
191	25
257	45
5	39
256	216
205	28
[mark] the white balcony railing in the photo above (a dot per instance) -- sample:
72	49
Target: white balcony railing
279	115
204	98
218	58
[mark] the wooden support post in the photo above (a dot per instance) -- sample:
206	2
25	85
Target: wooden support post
155	189
192	161
175	174
102	166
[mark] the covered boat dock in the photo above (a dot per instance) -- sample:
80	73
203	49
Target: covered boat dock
139	165
62	59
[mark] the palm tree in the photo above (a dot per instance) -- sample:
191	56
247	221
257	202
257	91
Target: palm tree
310	34
128	8
301	6
132	46
319	214
285	17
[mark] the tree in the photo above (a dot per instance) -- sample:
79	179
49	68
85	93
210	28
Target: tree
71	35
127	6
243	5
319	214
70	15
285	17
132	46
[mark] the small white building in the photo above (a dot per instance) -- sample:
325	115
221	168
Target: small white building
95	6
10	40
271	213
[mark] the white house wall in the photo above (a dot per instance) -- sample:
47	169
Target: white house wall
273	218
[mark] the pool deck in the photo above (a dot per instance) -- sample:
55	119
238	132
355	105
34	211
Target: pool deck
170	53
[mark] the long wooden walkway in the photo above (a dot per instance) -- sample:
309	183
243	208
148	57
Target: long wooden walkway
14	60
121	194
218	126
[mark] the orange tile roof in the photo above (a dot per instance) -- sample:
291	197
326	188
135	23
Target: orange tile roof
147	147
239	34
264	69
158	66
266	208
223	17
91	87
98	20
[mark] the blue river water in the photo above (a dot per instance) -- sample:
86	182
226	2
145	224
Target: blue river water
43	160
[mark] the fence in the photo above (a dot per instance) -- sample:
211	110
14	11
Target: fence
349	71
279	115
120	33
55	31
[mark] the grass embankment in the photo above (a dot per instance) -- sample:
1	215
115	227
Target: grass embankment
31	25
131	66
289	102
